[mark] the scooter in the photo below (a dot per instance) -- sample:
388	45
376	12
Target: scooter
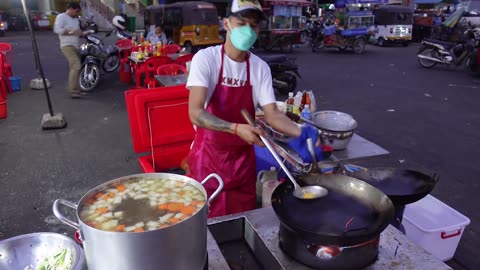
284	72
95	56
433	52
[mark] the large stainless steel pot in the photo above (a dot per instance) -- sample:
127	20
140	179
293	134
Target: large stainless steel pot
179	247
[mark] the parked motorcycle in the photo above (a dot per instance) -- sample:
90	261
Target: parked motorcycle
95	56
433	52
88	24
284	72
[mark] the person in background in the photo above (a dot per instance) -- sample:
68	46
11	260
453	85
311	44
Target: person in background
224	80
157	36
67	26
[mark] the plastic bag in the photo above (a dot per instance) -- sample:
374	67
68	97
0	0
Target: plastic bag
313	102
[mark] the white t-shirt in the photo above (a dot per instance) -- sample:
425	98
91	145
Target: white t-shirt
65	22
205	69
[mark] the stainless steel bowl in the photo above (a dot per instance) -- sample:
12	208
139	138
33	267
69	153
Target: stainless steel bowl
278	136
31	249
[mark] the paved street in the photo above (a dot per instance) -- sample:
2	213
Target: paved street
428	120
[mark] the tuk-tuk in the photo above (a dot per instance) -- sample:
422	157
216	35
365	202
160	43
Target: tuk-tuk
354	23
284	24
189	24
393	24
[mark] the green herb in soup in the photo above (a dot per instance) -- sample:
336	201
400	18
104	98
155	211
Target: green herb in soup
140	205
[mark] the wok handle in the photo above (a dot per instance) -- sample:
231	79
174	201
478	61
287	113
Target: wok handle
60	216
220	185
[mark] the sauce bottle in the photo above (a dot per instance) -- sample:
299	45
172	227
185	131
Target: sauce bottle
141	38
134	39
289	102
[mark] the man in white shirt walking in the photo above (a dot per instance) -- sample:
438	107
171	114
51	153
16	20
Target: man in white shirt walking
67	27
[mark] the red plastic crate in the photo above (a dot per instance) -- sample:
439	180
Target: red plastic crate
160	126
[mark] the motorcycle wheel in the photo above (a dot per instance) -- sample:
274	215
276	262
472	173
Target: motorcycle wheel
89	77
111	63
288	78
318	45
427	63
359	45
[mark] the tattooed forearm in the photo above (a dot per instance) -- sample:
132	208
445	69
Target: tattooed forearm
210	121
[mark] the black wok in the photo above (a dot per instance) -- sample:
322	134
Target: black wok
353	211
401	186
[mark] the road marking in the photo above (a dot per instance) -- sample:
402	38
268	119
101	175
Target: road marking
464	86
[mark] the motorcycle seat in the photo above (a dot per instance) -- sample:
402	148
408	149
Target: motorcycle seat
445	44
273	58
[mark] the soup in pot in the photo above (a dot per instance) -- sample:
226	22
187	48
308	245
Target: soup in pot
140	204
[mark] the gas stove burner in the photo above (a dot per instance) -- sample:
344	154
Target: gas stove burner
328	257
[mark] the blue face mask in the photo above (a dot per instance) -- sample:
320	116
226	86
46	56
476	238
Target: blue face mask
242	37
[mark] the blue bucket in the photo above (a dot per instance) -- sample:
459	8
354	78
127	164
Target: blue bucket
15	82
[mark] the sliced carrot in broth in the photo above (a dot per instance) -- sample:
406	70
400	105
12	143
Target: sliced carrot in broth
139	230
120	228
173	220
90	201
163	206
188	210
98	195
121	188
174	207
102	210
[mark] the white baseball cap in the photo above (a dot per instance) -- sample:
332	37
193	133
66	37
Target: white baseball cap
238	6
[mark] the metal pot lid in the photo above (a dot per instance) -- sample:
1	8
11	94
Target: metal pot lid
334	121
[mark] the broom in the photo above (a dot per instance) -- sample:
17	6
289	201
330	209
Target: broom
50	120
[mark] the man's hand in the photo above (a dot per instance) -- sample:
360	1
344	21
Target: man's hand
77	32
250	134
300	145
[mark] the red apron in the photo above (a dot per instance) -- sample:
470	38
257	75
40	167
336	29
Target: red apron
226	154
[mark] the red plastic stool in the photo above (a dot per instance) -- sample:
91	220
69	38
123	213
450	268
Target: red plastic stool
125	76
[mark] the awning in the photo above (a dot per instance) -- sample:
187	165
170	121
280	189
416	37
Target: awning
427	1
303	3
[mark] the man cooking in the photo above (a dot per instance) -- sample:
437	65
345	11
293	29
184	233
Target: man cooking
223	80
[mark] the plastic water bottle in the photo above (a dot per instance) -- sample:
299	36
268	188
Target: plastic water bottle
306	113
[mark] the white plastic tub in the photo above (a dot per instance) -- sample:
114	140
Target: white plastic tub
434	226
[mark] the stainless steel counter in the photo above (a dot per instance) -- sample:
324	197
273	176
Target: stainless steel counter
396	252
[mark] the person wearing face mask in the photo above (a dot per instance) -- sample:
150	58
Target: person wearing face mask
222	81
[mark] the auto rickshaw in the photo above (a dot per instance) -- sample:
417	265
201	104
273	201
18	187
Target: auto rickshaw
188	24
351	30
283	27
393	24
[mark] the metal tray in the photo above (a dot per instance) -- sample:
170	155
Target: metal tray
241	246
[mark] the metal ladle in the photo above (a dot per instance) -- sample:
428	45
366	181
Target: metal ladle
306	192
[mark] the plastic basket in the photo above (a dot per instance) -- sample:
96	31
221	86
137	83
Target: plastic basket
15	82
434	226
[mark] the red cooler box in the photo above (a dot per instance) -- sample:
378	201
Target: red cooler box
160	126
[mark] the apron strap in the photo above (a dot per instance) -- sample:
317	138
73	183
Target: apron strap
220	76
247	59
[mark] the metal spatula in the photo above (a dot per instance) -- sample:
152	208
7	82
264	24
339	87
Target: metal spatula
306	192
